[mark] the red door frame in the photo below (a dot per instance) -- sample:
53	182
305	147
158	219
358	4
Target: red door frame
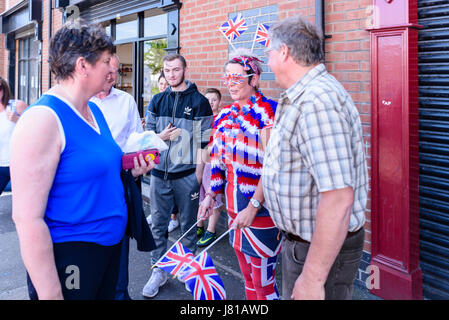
395	219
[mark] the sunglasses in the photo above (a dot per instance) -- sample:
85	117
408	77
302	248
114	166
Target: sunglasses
234	78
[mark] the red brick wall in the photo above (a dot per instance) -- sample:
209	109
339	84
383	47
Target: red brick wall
347	52
56	24
3	52
206	50
348	59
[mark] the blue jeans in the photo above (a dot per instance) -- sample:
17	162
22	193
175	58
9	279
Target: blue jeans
4	178
121	291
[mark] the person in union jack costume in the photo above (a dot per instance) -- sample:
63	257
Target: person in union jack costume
241	130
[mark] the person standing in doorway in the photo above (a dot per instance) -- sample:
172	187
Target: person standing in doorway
187	113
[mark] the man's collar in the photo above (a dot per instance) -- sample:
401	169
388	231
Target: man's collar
298	88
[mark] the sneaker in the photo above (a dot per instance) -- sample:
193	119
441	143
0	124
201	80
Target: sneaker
199	232
173	225
149	220
158	279
207	238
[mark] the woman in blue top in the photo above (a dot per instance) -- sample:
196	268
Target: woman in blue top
68	202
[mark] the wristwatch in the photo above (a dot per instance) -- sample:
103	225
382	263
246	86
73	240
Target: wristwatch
256	204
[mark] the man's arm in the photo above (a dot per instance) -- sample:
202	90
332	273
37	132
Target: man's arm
331	228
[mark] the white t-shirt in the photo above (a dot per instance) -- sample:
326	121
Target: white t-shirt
121	114
6	129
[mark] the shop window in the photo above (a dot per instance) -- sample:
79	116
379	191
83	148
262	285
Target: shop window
153	52
127	27
155	25
28	71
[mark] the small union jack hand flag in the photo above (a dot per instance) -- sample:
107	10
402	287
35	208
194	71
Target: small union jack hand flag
175	259
203	280
233	28
262	34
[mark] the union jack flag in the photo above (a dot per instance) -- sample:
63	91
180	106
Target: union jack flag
262	34
233	28
175	259
203	280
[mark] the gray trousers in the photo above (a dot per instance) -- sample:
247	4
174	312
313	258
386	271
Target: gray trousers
339	284
163	195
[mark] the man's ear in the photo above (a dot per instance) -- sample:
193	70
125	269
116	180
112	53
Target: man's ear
284	53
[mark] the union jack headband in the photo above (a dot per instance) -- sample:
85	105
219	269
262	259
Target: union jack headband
248	61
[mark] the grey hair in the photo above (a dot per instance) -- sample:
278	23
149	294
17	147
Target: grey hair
303	39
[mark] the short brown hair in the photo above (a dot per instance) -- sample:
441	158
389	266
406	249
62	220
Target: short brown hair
7	95
77	39
174	56
215	91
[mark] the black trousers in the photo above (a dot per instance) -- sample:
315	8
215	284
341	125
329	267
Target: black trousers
87	271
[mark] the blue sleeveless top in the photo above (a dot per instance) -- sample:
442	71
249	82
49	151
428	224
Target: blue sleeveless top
86	201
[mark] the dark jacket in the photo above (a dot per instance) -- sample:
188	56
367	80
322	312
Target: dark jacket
137	227
190	111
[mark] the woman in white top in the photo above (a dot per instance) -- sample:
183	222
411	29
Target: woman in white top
10	111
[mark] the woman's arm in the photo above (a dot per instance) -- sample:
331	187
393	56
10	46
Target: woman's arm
35	153
246	217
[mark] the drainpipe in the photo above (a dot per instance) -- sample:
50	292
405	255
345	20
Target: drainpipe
50	24
319	18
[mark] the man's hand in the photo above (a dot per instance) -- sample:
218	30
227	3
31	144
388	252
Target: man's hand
307	289
167	133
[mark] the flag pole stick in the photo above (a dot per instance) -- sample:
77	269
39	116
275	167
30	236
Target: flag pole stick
254	40
207	248
174	244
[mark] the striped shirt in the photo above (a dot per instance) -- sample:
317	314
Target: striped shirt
316	145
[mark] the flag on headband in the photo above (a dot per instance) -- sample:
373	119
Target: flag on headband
233	28
262	34
175	259
202	279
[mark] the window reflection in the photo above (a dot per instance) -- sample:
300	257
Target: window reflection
127	27
152	67
155	25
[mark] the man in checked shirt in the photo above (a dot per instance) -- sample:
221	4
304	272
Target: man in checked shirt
315	175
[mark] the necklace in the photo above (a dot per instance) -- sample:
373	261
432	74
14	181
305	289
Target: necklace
88	117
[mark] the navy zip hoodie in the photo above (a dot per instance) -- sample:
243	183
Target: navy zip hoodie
190	111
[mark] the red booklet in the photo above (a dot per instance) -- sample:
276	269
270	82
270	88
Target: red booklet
128	158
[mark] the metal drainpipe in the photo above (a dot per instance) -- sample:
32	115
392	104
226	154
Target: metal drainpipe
50	23
319	18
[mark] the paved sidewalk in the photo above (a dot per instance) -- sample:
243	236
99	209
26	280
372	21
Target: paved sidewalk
13	276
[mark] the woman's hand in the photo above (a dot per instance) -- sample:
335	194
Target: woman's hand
141	167
245	217
12	116
205	208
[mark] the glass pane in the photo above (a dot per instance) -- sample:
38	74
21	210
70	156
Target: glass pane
126	27
34	72
155	25
126	71
23	77
107	26
152	67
